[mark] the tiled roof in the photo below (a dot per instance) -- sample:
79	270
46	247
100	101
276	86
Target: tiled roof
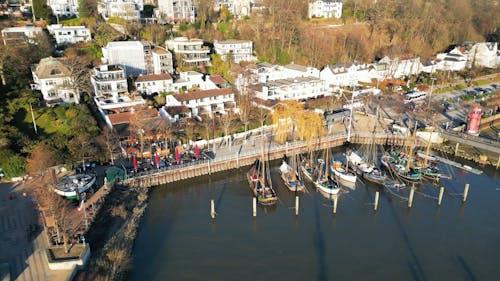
217	79
203	94
153	77
124	117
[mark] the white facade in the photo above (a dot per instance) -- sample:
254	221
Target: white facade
325	9
483	54
236	50
266	72
204	101
162	60
191	51
63	7
69	34
238	8
126	9
154	83
342	75
127	54
396	68
52	79
299	88
17	35
177	10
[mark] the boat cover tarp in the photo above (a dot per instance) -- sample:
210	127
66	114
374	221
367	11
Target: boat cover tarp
113	172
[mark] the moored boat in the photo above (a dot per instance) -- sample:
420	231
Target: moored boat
290	177
341	173
260	185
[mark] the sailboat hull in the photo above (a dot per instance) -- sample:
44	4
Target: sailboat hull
264	193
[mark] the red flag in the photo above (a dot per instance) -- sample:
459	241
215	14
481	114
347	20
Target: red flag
177	155
157	160
196	152
134	160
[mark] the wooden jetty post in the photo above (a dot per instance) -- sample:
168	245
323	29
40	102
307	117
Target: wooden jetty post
237	160
335	199
440	198
498	162
456	148
296	205
254	208
466	192
375	206
209	169
410	199
212	209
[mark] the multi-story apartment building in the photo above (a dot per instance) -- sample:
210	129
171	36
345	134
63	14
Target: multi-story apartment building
235	50
66	8
299	88
126	9
154	83
52	78
131	55
69	34
325	9
340	75
265	72
239	8
162	60
191	52
204	102
20	35
177	10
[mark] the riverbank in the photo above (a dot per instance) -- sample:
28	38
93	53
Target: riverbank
113	233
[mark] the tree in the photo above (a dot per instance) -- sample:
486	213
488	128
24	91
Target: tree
78	67
40	158
82	147
222	67
227	123
40	9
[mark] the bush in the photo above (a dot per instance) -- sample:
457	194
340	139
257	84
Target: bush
12	165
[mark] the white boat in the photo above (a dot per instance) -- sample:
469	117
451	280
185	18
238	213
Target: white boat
291	177
367	171
342	174
71	186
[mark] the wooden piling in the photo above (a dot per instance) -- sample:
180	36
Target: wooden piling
456	148
238	160
212	209
440	198
375	206
254	206
466	192
296	205
410	199
209	169
335	199
498	162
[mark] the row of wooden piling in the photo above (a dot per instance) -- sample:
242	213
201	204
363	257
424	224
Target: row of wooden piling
335	201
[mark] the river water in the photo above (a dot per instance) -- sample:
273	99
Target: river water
178	240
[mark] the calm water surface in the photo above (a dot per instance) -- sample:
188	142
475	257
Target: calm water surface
178	240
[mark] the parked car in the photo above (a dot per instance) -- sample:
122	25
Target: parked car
487	90
479	90
495	86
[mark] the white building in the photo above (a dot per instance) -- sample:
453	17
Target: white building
236	50
341	75
265	72
190	51
239	8
128	54
126	9
52	79
325	9
299	88
204	101
396	68
66	8
20	35
483	54
154	83
177	10
69	34
162	61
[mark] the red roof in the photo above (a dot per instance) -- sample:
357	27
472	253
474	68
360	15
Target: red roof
203	94
153	77
217	79
124	117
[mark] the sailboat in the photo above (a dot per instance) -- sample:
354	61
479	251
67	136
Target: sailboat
324	183
259	181
290	175
366	168
427	165
342	173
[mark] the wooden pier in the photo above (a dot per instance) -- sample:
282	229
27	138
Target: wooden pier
274	151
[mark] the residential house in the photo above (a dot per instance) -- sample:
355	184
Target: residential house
191	52
176	11
265	72
65	8
235	50
131	55
162	61
483	54
325	9
204	102
454	60
239	8
20	35
388	68
154	83
69	34
341	75
52	78
298	88
190	80
126	9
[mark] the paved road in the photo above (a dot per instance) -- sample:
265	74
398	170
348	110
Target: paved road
22	249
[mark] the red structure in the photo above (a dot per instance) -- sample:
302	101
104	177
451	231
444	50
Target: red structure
474	120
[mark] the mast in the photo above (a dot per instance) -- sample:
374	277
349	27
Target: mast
294	168
428	149
326	165
350	116
410	154
263	163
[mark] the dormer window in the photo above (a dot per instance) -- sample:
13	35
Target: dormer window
55	71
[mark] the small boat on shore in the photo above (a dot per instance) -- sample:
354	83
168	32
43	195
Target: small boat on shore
70	186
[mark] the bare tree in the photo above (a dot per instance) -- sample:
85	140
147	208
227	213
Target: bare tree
78	68
40	158
227	123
